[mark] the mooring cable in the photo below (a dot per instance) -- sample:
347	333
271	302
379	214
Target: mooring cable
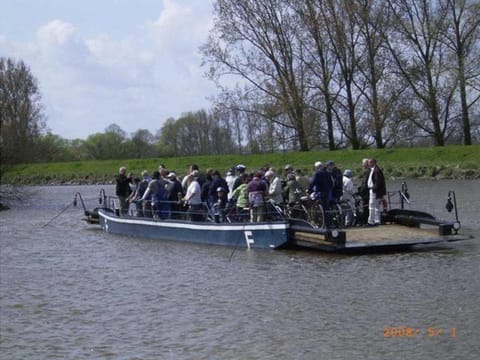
60	213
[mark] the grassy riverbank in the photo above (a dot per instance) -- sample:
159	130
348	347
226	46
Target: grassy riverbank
451	162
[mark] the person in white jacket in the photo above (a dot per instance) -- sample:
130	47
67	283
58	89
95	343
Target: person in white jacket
275	190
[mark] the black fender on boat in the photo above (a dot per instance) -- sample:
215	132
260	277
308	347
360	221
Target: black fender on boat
94	213
394	214
414	218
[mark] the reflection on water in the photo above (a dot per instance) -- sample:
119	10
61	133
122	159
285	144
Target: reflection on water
70	291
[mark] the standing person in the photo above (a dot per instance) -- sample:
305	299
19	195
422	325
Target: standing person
140	189
275	190
217	182
200	177
293	190
219	205
240	195
157	193
347	195
174	194
257	189
194	197
230	179
321	187
337	181
205	186
288	169
122	189
303	180
364	192
241	169
377	188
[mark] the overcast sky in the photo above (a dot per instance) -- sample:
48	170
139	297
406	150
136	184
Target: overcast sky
134	63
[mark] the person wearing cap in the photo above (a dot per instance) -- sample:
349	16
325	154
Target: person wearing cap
217	182
193	197
288	169
200	176
377	188
275	191
241	171
347	195
174	194
220	205
293	190
321	182
302	179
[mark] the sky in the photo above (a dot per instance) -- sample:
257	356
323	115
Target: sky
134	63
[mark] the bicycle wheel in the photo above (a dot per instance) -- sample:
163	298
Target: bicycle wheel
337	215
348	214
317	215
298	212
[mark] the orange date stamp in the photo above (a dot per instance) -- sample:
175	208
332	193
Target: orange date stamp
413	332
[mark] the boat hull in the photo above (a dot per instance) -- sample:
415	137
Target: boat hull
268	235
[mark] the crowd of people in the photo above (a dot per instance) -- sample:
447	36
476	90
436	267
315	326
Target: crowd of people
164	195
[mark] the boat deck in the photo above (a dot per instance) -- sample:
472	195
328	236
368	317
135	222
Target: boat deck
375	237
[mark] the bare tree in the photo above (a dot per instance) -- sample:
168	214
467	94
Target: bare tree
320	60
420	56
254	40
380	87
462	36
343	31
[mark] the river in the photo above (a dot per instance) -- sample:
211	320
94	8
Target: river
70	291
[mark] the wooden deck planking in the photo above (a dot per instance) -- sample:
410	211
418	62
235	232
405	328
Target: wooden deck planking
391	234
378	236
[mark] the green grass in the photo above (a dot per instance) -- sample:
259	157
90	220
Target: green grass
458	162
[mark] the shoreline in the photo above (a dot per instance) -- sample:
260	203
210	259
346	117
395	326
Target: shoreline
101	180
435	163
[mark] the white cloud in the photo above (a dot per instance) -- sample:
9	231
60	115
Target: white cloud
56	33
136	81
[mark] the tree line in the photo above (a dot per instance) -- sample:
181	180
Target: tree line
349	73
294	75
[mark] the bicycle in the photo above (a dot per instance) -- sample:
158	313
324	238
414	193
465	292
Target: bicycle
307	208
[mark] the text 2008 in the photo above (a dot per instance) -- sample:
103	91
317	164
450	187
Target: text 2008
411	332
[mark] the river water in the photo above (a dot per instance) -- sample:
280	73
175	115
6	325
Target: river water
70	291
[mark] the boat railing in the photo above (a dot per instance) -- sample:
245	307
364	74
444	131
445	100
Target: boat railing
399	197
179	210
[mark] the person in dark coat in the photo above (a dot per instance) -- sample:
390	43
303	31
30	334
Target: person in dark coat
337	181
217	182
122	189
322	187
174	194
